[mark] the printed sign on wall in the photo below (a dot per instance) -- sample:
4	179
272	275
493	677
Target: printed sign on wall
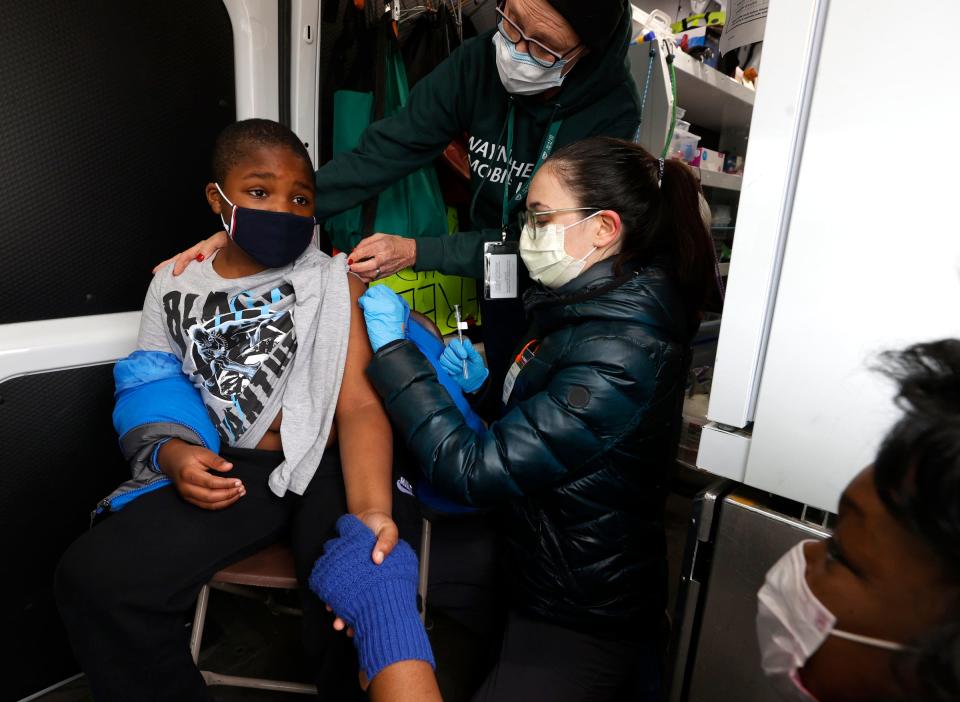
434	295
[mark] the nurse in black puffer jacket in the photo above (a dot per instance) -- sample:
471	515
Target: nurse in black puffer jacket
581	457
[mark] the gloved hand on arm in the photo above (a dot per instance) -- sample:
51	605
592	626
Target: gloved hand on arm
386	315
378	601
452	360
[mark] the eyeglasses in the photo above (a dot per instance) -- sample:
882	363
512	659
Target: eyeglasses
541	55
530	216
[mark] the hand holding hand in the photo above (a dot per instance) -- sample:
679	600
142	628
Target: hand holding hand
386	314
381	255
188	467
198	252
452	358
385	529
379	602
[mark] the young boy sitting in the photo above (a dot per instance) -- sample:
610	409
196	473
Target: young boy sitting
269	332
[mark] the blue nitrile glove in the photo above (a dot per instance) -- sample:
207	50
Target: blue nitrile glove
378	601
386	314
452	360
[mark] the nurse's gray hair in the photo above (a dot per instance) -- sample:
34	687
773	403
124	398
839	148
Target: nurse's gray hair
660	210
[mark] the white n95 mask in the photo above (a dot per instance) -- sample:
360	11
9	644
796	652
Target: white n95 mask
792	624
520	74
542	251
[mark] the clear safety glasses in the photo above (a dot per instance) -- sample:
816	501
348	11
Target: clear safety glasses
532	217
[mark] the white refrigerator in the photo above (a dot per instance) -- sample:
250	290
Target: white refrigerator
847	244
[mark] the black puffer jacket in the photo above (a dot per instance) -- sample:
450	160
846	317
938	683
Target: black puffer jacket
582	454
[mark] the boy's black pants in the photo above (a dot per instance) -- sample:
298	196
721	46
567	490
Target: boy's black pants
124	587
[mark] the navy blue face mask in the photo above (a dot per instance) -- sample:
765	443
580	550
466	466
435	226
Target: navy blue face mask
273	239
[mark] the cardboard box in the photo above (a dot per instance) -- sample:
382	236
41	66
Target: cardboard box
708	160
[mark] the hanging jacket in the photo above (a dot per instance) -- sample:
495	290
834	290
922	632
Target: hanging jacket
464	95
580	459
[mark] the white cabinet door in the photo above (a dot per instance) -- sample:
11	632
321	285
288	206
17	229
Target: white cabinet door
776	139
872	257
780	111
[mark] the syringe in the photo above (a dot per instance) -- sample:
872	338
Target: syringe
461	325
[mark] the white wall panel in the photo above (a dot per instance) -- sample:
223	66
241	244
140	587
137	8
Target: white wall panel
304	72
255	52
52	344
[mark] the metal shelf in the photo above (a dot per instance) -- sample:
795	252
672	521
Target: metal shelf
716	179
711	99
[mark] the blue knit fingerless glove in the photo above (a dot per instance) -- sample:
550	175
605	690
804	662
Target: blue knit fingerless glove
378	601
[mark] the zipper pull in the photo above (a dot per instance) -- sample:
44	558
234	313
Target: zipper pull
102	505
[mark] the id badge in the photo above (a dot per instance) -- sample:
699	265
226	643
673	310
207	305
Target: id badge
500	270
509	382
523	358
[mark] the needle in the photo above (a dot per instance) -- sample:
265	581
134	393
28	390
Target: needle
460	327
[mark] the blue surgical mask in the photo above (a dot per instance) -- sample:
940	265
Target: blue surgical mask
520	74
273	239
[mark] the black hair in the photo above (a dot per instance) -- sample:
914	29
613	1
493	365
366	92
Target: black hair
237	140
917	474
661	217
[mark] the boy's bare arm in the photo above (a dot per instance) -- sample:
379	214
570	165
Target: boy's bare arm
365	437
406	681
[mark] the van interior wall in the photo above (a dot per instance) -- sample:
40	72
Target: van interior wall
60	458
107	120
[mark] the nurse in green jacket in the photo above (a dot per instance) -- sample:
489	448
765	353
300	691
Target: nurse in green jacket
552	73
579	462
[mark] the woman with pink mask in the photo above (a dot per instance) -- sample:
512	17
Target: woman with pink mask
873	613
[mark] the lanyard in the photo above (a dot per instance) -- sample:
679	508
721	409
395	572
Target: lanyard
546	147
524	350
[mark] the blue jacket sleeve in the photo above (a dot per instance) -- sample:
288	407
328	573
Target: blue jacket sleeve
154	401
432	347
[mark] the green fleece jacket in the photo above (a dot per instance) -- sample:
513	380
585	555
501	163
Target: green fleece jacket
464	95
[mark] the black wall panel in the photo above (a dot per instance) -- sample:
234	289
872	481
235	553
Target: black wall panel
58	458
108	111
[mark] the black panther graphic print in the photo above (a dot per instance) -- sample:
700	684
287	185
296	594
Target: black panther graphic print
239	348
231	350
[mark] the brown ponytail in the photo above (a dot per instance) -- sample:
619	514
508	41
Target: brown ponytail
661	216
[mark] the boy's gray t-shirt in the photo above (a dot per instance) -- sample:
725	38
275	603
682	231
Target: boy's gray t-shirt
256	345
